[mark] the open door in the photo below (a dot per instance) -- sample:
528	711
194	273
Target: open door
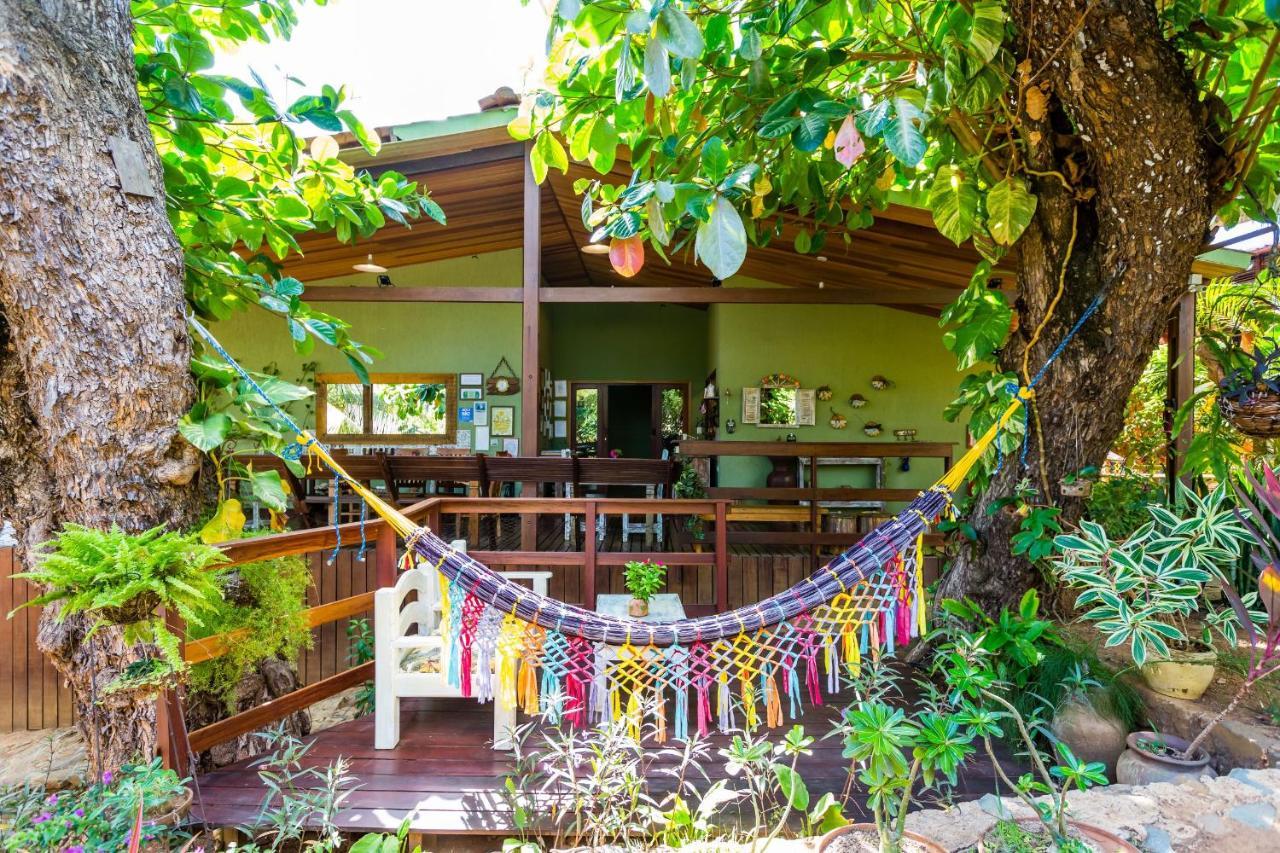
638	420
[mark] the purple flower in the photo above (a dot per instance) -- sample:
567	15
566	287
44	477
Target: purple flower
75	848
42	817
53	799
78	812
106	778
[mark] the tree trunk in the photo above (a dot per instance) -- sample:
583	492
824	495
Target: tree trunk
93	349
1126	132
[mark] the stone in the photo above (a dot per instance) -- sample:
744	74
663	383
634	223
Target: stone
1258	815
1212	824
957	828
1268	784
53	758
1157	841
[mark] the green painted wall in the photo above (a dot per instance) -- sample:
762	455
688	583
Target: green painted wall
842	346
414	337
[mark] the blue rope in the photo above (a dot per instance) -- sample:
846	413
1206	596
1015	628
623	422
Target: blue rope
337	517
1084	318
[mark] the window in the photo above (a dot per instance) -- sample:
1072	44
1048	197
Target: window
395	408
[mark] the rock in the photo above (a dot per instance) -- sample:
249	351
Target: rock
1258	815
55	755
957	828
1256	779
1157	841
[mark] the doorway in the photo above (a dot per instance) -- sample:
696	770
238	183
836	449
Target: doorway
637	420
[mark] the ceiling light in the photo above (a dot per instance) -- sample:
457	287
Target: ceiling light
369	266
595	249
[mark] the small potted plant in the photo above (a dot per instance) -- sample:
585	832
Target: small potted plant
122	578
1247	372
643	579
1147	590
1155	757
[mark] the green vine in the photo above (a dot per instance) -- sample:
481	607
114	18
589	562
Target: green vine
276	624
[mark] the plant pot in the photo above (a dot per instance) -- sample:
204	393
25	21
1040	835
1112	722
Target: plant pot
1185	675
1257	415
175	811
1103	840
825	843
1090	735
638	608
1138	766
140	608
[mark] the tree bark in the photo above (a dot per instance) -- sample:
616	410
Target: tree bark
1126	132
94	352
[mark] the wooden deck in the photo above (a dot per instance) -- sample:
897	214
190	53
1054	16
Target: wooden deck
444	777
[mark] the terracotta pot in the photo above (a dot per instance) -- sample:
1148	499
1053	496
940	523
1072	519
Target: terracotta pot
1137	766
175	811
638	608
826	841
1185	675
1102	839
1090	735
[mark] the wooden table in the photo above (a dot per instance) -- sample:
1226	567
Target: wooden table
663	607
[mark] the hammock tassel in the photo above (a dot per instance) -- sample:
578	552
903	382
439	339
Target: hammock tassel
772	705
724	707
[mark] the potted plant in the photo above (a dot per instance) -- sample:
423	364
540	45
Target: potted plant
643	580
122	578
1247	372
1160	757
1147	589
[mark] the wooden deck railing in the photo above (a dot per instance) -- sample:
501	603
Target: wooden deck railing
177	745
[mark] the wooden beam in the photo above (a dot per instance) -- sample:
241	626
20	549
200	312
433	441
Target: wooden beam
199	651
413	293
741	295
1182	385
531	310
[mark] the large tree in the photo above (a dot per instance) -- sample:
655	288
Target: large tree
136	186
1086	144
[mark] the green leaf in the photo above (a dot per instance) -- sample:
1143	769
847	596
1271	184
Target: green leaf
370	142
1272	8
1010	206
953	200
903	134
987	32
290	207
721	241
657	68
679	34
715	160
548	152
602	146
268	488
794	791
773	128
206	434
811	130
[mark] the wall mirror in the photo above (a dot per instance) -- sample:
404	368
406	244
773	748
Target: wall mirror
778	401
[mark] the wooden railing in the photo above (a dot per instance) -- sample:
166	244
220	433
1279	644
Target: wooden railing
177	745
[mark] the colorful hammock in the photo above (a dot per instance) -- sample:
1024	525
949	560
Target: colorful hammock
567	662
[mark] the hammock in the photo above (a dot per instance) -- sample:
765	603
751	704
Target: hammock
566	662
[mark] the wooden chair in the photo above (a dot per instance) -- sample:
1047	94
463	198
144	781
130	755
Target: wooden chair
538	470
647	473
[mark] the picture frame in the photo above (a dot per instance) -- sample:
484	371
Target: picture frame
480	412
562	388
561	408
502	420
471	379
471	394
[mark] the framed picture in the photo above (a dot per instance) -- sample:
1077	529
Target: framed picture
562	387
471	379
562	408
503	421
471	393
481	413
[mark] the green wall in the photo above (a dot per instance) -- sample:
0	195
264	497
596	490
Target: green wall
414	337
842	346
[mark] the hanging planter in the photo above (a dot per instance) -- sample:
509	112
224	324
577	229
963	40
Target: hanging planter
857	401
879	382
837	420
1248	375
824	392
1256	413
873	428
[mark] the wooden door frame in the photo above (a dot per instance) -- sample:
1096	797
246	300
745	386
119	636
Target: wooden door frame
602	410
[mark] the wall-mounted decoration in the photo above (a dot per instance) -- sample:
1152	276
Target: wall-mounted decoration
879	382
751	405
730	426
562	429
562	388
905	434
503	421
511	446
837	420
471	379
779	380
482	439
465	414
857	401
464	439
806	408
824	393
872	428
481	413
561	408
502	383
471	394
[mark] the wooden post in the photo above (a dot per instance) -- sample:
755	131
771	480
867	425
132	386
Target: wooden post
1181	383
530	380
589	566
384	556
171	725
722	557
813	511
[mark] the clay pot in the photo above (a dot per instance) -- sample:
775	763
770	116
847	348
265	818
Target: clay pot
1185	675
827	840
1137	766
638	608
1098	837
1090	735
175	811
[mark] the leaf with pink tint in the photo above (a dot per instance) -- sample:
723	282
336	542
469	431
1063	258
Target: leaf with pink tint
848	147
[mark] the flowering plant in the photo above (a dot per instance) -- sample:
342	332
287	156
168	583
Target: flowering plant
644	578
99	817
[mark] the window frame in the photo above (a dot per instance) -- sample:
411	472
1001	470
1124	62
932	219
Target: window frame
324	380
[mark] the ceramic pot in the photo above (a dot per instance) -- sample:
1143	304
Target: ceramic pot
1137	766
638	608
827	840
1090	735
1185	675
1100	838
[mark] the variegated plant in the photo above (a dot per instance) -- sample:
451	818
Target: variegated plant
1147	590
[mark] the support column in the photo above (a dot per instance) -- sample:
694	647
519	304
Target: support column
1181	381
530	316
